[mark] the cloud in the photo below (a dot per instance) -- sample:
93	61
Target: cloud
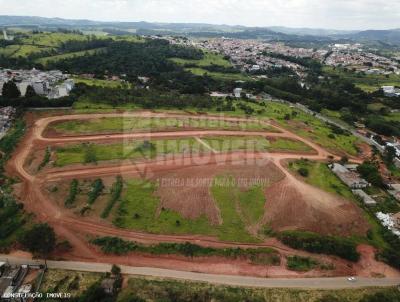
340	14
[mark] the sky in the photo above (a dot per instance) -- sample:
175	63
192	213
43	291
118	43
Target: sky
332	14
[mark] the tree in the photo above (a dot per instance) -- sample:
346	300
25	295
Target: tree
303	172
40	239
30	92
115	270
389	155
370	172
10	90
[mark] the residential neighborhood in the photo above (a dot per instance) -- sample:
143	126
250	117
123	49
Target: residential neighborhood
51	84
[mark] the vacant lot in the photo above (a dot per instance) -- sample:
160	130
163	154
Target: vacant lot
254	143
134	150
155	290
129	124
147	149
63	281
227	202
51	59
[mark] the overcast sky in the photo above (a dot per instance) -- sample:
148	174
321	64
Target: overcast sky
336	14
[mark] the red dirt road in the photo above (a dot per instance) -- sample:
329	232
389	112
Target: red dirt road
75	229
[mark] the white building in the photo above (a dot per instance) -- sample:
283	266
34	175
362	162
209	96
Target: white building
368	200
237	92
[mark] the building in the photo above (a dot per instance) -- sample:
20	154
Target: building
52	84
368	200
390	91
237	92
395	191
108	285
350	178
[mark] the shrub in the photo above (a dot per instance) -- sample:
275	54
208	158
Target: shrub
320	244
73	191
303	172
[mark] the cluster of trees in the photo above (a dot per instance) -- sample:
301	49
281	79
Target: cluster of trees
95	190
320	244
116	191
154	98
370	171
73	192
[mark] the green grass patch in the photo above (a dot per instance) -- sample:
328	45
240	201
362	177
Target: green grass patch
316	243
319	175
322	177
233	227
115	245
73	192
100	83
208	59
301	264
138	210
56	58
368	83
129	124
218	75
115	195
91	153
145	289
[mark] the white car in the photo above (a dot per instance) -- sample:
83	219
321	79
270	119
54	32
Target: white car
351	279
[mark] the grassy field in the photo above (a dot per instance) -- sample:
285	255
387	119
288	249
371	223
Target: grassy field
310	127
129	124
139	289
47	60
139	149
208	59
68	281
100	83
219	75
303	124
395	117
321	177
145	149
368	83
52	39
139	207
254	143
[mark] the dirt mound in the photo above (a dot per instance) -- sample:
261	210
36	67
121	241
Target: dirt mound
294	205
187	191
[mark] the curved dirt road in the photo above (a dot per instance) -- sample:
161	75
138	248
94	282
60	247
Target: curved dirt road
75	229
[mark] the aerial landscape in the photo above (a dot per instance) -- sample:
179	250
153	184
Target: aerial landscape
162	152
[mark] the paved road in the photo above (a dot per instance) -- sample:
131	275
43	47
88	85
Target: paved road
307	283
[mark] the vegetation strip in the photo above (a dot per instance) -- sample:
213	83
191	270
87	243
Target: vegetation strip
115	245
320	244
116	191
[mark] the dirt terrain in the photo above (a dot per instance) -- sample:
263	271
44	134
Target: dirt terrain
290	202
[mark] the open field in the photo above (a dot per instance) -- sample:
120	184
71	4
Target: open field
320	176
219	75
300	123
99	82
68	282
368	83
129	124
52	59
151	148
217	199
208	59
188	291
